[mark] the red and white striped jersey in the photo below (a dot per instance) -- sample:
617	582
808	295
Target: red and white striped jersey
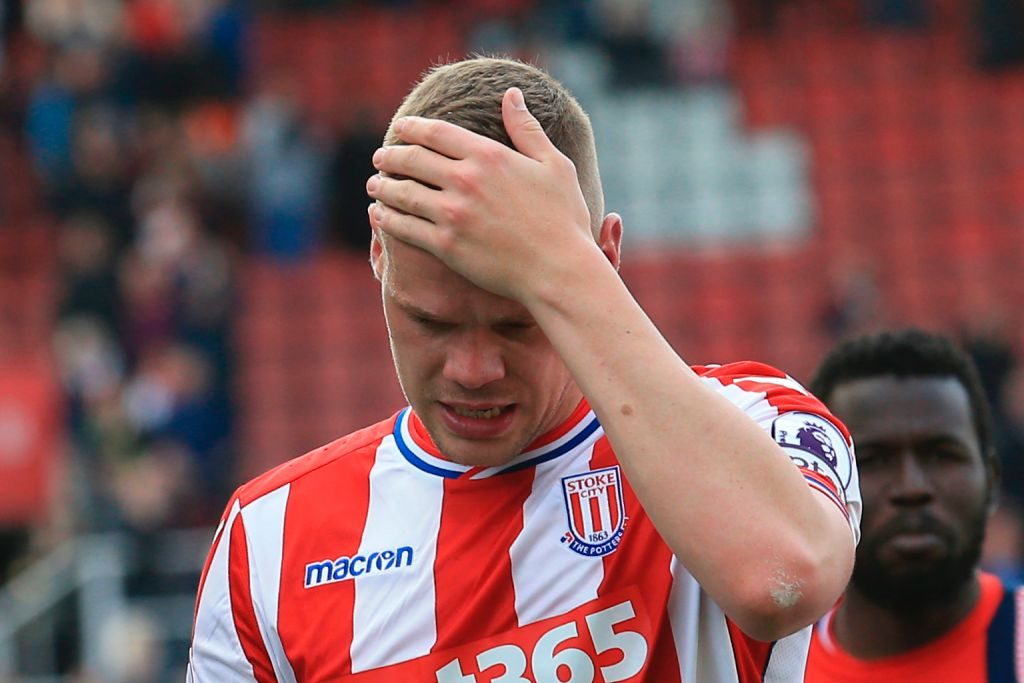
374	559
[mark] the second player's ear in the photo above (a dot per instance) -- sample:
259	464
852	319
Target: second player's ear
609	238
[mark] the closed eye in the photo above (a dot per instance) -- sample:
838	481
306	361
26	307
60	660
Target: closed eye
432	324
518	326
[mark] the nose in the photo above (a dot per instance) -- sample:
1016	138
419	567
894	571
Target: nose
911	484
474	359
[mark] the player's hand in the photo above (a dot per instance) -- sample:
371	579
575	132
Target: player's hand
508	220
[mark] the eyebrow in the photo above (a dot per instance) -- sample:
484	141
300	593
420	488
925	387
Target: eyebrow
417	311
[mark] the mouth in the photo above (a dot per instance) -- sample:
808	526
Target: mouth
479	413
916	541
923	538
478	421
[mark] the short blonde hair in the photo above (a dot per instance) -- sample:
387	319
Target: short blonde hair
468	93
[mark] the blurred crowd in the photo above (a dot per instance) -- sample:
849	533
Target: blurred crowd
130	130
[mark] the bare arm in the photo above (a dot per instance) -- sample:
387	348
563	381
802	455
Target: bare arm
774	554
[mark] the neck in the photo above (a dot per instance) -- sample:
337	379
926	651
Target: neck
867	630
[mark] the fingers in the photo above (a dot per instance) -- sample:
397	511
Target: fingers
408	196
444	138
525	131
413	161
408	228
455	142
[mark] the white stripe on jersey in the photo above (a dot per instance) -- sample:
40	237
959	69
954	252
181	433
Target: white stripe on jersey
264	525
404	510
216	655
700	631
788	658
538	553
683	609
716	658
786	381
754	403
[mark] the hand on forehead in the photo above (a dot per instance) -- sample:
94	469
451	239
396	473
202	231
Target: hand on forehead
495	215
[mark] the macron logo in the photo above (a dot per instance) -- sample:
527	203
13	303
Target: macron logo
332	571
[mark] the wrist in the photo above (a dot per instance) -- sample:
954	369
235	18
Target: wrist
578	272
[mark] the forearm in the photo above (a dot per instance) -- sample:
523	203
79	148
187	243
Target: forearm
724	496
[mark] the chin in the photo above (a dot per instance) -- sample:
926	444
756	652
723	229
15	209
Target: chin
475	453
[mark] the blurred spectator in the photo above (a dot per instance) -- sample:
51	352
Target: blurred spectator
61	22
89	363
638	59
986	337
98	182
350	166
172	397
1001	34
86	253
224	48
699	33
898	14
286	174
854	301
49	120
147	292
131	648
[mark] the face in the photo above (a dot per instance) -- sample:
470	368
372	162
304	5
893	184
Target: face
475	367
925	484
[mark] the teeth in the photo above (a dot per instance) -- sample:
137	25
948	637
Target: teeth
485	414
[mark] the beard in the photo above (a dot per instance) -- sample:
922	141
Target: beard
917	585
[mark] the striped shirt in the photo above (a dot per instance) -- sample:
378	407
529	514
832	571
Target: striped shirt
374	559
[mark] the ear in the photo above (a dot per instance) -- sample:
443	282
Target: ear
609	238
378	255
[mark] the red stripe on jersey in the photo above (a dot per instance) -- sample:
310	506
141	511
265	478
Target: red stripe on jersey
613	505
641	560
316	623
751	655
577	515
457	572
241	606
472	472
595	514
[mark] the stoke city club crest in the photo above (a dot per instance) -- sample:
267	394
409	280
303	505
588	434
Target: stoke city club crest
596	511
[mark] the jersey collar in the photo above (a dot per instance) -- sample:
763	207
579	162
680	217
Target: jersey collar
416	446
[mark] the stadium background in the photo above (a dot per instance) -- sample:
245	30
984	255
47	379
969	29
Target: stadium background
184	294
